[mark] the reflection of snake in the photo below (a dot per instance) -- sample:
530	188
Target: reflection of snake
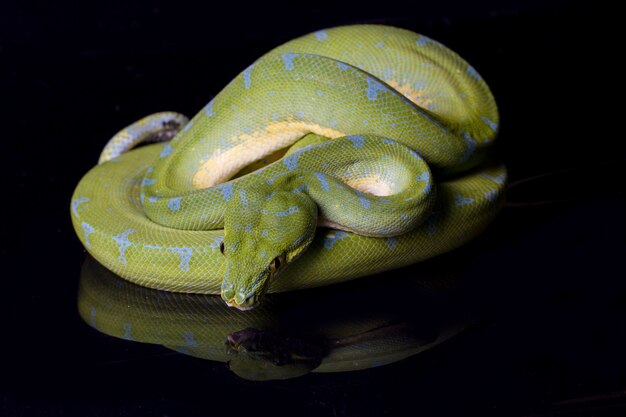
379	118
281	338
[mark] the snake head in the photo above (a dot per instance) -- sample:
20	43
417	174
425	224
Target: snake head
260	355
263	233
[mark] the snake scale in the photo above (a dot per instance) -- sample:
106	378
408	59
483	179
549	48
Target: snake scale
280	339
339	154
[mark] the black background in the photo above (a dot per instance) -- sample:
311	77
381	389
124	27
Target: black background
550	276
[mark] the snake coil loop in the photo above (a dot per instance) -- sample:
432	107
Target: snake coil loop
343	153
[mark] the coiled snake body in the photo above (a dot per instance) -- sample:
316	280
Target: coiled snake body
340	154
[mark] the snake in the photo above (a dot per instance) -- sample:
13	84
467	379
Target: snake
280	339
340	154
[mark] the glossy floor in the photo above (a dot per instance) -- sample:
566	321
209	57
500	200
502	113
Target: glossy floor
536	307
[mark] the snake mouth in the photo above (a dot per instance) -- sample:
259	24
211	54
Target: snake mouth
245	299
241	307
239	300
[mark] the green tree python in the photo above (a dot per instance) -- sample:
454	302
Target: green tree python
343	153
280	339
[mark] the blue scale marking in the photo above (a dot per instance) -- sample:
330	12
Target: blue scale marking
217	242
492	125
291	162
471	146
460	200
498	179
471	71
423	176
357	141
321	35
492	195
246	76
392	243
323	182
227	191
123	243
128	328
423	40
87	230
152	247
190	340
329	241
301	188
365	202
147	182
208	110
373	87
288	211
92	317
414	154
185	257
174	203
167	149
243	198
76	204
270	181
288	60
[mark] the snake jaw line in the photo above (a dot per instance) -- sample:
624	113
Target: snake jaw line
239	307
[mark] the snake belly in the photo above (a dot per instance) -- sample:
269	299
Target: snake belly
155	215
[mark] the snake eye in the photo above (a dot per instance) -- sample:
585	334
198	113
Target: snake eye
222	249
277	263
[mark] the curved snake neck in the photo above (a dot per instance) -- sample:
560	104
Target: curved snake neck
354	128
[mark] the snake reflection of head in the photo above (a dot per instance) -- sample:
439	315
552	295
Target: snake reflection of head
265	230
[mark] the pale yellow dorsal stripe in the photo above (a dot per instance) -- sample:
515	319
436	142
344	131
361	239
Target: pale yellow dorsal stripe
418	97
254	146
374	185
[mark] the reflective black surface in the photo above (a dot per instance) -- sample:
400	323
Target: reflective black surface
544	285
346	328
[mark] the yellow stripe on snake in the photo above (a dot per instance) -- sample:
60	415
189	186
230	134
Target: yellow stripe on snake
340	154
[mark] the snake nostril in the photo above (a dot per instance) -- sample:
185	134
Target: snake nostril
240	298
228	292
